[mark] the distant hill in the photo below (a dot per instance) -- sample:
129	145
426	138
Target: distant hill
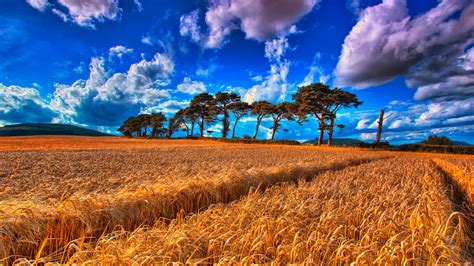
338	142
460	143
31	129
454	142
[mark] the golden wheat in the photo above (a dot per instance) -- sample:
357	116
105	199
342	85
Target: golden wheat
392	211
124	201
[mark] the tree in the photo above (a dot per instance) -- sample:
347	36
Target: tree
338	100
202	106
157	124
322	102
144	121
284	110
239	109
313	100
190	115
435	140
178	121
127	128
221	107
261	109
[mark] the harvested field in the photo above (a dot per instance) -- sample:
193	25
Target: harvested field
73	199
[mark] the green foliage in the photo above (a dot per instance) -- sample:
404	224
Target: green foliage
221	104
239	109
202	105
139	126
323	103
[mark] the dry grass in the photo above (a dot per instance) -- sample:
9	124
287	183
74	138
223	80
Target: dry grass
155	201
340	217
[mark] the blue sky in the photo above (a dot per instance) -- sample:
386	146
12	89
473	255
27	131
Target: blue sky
96	62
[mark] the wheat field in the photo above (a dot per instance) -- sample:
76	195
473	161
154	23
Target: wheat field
129	201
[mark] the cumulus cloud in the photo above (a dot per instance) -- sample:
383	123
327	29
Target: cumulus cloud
274	86
362	124
386	42
191	87
106	100
188	26
167	107
457	82
19	105
119	51
85	13
38	4
258	19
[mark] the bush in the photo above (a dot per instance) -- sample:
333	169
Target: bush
436	148
249	140
382	145
435	140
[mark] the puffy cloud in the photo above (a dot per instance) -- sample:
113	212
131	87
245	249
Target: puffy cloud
106	100
191	87
258	19
445	112
276	49
403	122
387	42
274	85
19	105
188	26
84	13
458	82
119	51
168	107
38	4
362	124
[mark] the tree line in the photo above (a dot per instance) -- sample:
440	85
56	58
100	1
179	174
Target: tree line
317	100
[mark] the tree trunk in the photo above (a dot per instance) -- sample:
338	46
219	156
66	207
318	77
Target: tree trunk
225	129
256	128
192	128
321	136
379	130
331	131
274	129
233	128
202	126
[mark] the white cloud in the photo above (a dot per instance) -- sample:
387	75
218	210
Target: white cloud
315	74
403	122
38	4
191	87
274	86
386	42
362	124
258	19
119	51
19	105
107	100
86	13
188	26
167	107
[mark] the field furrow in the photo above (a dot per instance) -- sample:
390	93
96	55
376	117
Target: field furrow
389	211
46	229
